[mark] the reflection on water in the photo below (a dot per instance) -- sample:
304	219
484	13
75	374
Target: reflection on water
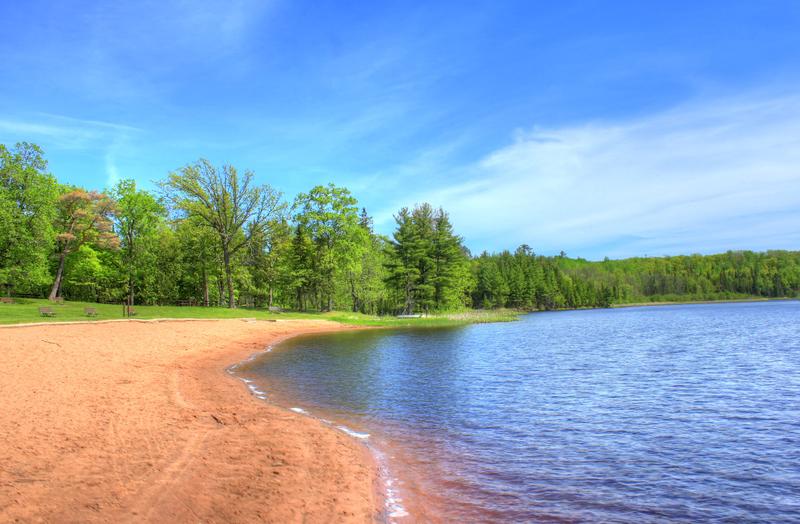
638	415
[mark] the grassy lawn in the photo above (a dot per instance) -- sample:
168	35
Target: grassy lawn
25	310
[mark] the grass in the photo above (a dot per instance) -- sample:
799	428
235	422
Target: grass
25	310
433	320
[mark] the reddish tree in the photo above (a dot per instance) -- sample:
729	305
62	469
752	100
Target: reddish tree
83	217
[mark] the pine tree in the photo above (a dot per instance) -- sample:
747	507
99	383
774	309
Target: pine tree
423	248
449	261
402	260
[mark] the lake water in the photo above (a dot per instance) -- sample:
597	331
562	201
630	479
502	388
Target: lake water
673	413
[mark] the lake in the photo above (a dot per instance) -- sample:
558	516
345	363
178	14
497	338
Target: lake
673	413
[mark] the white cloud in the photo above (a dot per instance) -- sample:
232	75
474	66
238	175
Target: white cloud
704	176
111	140
64	132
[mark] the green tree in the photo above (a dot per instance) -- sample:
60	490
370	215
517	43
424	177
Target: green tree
451	277
427	262
365	273
304	277
27	211
199	256
269	259
86	275
402	260
225	202
328	216
138	216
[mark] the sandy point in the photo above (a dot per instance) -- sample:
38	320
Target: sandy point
139	422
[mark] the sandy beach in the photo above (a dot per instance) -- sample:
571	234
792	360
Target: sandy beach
138	421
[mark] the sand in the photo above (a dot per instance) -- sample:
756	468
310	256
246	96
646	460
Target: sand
139	422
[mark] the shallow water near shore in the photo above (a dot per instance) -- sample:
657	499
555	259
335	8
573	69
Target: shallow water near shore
684	413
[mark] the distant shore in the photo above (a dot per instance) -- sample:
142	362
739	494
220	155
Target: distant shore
132	421
688	302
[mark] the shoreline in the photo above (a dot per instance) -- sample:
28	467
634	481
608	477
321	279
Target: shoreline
663	303
392	506
131	422
690	302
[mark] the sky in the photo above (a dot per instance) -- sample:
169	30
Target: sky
597	128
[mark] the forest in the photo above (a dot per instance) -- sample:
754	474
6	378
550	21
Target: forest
212	235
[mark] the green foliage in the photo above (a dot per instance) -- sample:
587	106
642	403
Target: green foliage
364	282
426	262
199	260
329	240
27	210
139	217
82	217
225	202
268	260
526	281
225	241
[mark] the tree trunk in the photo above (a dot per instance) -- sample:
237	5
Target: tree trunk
354	295
228	277
269	303
409	307
59	274
205	288
130	264
130	289
220	291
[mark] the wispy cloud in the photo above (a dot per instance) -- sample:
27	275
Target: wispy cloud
64	132
127	50
58	132
708	175
83	123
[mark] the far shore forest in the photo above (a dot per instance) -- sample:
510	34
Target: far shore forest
212	236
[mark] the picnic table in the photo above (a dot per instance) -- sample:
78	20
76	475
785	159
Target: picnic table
90	311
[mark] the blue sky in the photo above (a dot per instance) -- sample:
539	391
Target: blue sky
599	128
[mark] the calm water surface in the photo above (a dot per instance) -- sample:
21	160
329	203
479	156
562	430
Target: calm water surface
674	413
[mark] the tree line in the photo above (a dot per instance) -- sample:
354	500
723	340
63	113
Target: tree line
213	236
528	281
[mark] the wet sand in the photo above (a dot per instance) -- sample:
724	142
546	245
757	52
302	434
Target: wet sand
138	421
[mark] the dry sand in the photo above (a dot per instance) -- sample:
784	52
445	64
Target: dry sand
138	421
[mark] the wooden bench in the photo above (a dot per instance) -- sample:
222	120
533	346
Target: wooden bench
6	300
90	311
129	311
47	312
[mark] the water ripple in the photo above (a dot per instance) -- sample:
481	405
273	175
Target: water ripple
681	413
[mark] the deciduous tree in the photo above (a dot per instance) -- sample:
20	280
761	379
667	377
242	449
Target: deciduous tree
82	217
226	202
